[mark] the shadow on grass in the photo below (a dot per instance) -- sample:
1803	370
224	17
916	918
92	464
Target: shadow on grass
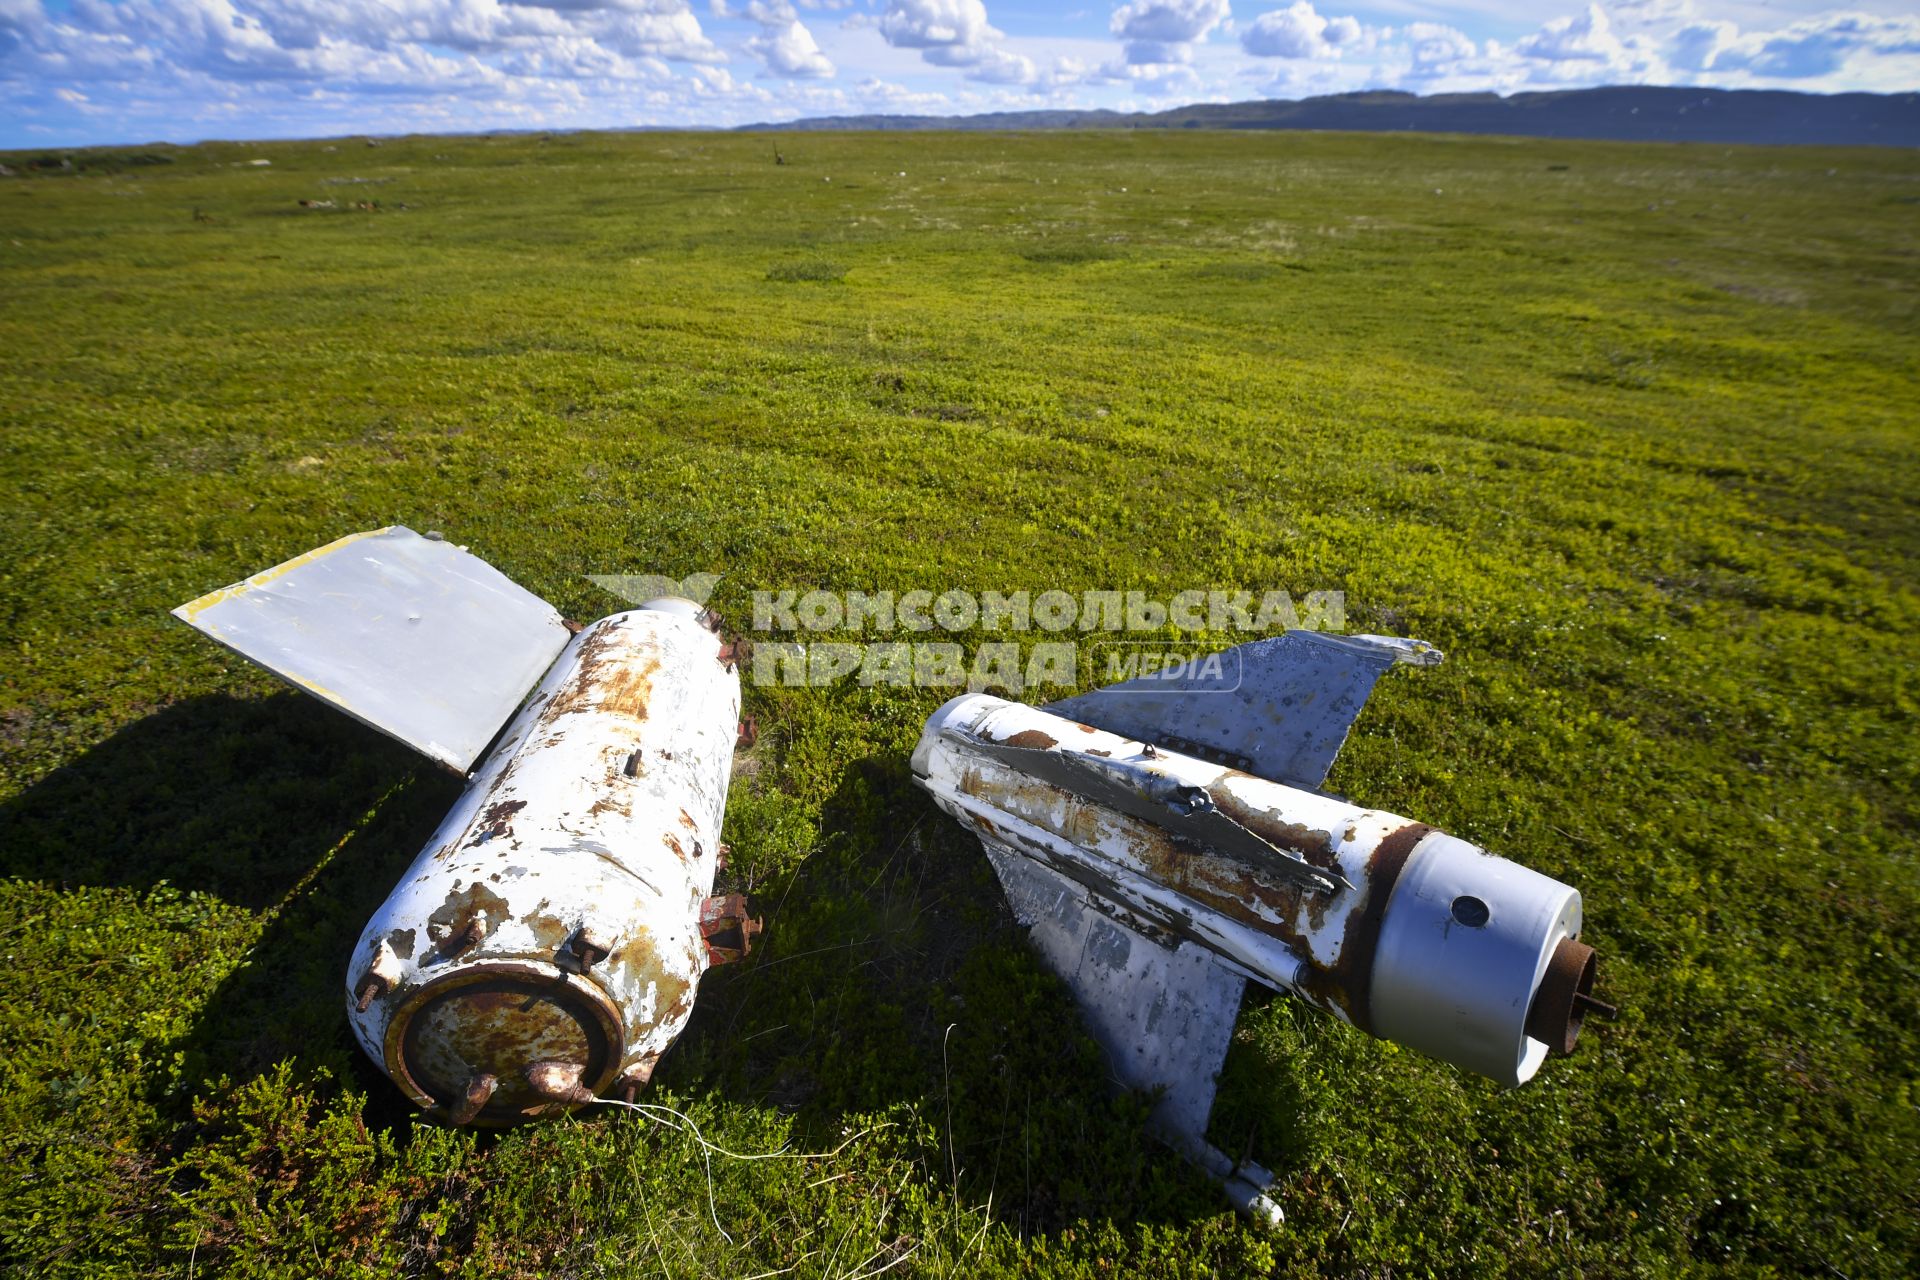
890	974
235	797
278	805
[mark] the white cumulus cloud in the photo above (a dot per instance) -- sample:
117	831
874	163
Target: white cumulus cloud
785	47
1807	49
1163	32
1299	31
955	33
1585	36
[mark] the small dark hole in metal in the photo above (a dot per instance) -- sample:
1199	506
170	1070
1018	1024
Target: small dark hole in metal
1470	911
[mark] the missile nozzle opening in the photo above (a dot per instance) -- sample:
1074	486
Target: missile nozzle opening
503	1021
1565	997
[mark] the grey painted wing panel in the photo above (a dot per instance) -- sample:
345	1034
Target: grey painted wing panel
1279	708
410	635
1164	1014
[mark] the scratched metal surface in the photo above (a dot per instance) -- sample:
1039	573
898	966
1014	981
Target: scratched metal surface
1278	708
410	635
1385	954
598	815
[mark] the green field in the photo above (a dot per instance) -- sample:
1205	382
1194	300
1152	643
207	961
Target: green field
1629	431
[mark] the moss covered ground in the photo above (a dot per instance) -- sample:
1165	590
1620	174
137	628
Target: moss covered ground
1629	431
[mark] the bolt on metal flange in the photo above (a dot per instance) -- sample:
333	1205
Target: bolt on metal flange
589	947
630	1085
381	977
458	944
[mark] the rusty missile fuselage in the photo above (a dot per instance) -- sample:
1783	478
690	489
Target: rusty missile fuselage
545	946
1402	931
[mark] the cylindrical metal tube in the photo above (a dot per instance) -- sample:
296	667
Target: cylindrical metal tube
1431	942
545	944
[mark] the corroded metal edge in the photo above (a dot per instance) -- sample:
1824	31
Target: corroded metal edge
538	973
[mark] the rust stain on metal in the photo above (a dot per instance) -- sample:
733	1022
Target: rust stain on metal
1227	886
497	822
401	940
727	929
602	682
464	918
625	691
1317	847
673	992
1033	738
1349	979
549	931
614	799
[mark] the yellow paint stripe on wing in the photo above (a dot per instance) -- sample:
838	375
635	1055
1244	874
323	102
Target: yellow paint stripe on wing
190	612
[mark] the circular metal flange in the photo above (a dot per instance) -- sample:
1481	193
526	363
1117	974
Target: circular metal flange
497	1018
1560	1005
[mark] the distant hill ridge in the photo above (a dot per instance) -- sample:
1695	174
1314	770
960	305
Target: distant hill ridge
1626	113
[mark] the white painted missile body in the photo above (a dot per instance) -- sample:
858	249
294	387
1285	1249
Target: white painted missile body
545	946
1158	883
553	920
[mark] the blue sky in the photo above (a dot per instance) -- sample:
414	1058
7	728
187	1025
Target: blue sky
105	71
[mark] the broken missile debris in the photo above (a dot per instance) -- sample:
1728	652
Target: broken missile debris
1167	843
544	948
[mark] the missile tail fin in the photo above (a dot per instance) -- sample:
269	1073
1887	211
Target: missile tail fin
1279	708
410	635
1162	1009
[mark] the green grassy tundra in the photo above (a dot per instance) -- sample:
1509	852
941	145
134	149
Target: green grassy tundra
1629	431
